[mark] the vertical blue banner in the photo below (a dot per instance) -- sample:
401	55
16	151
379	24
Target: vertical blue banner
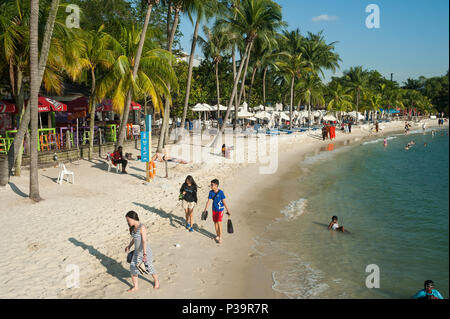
145	147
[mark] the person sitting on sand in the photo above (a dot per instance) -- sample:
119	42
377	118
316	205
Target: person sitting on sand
188	194
140	255
117	158
218	204
428	292
334	225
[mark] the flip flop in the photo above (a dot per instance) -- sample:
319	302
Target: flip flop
188	226
142	269
191	230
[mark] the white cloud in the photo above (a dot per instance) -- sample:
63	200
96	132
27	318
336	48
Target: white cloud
324	17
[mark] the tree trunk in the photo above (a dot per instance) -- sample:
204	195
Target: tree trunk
218	89
20	98
234	92
92	116
251	85
34	93
191	65
25	121
233	56
126	111
264	88
165	125
244	77
292	101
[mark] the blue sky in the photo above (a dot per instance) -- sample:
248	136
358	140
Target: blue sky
413	38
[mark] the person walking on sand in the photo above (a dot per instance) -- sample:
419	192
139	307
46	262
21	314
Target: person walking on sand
140	255
188	194
218	204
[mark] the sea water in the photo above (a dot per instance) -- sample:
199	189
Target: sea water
393	202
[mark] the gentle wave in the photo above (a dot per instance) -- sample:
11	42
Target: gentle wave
379	140
295	209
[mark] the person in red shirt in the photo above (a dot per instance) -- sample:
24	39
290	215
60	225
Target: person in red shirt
117	158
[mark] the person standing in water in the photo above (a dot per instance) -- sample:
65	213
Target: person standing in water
218	204
428	292
142	252
334	225
188	193
385	142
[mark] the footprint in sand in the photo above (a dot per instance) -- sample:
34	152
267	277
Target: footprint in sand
35	246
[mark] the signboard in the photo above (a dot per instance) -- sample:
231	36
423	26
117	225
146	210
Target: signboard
136	130
145	147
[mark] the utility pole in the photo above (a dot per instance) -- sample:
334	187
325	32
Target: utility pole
392	77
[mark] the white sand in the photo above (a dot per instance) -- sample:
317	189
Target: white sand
84	225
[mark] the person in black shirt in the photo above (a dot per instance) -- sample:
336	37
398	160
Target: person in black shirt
188	194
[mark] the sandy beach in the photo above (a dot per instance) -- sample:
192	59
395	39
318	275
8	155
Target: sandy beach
84	225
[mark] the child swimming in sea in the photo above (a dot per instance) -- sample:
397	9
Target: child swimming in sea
334	225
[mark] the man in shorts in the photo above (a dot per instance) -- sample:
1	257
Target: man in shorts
218	204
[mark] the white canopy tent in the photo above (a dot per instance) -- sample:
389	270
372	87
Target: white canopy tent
263	116
353	114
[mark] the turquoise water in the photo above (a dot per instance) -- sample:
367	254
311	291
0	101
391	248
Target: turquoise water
394	203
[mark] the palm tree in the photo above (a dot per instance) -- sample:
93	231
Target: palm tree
215	46
15	36
253	19
34	93
340	100
374	104
294	66
95	53
356	81
152	78
204	10
178	6
137	58
311	91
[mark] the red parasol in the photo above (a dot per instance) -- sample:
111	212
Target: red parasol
106	106
6	107
80	104
47	104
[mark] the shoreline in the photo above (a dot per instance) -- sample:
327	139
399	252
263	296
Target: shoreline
84	225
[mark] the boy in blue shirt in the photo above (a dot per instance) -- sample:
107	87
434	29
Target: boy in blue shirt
428	292
218	204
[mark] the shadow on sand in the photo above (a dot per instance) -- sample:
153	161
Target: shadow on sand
174	219
16	190
112	266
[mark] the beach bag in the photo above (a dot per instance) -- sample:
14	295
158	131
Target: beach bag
230	227
205	215
130	256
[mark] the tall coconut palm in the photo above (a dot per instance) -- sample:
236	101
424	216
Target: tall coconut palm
16	41
204	11
96	52
151	79
135	63
34	93
294	66
252	19
311	91
340	100
178	6
356	81
214	47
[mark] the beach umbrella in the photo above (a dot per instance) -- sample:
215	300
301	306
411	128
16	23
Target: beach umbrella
46	104
263	115
106	106
7	107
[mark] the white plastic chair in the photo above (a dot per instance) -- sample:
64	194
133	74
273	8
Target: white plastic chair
110	164
63	171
